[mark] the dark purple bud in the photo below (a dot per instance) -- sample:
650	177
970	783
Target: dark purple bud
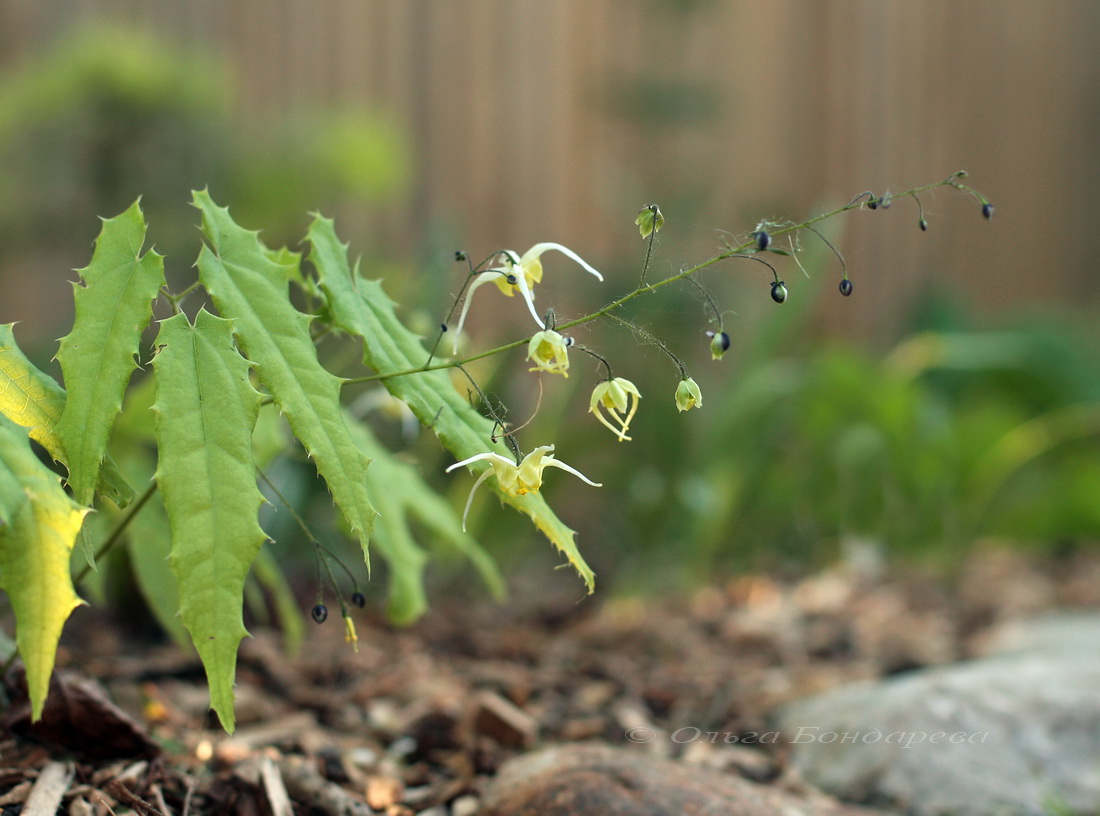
987	210
779	292
845	287
923	225
460	255
319	613
763	240
359	599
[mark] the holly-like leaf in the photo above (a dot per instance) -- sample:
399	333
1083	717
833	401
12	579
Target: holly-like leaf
38	528
113	308
361	308
402	495
250	288
33	399
205	410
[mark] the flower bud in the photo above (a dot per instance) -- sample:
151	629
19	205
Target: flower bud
779	292
845	287
688	395
923	225
763	240
649	220
319	613
359	599
719	344
987	210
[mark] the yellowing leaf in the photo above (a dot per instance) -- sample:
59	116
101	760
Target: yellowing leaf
33	399
38	528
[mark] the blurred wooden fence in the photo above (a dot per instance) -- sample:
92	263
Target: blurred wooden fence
532	120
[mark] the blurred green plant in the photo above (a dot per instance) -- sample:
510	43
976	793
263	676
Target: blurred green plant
954	436
110	113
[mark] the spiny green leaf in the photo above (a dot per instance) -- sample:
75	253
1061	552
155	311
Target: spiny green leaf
206	409
33	399
251	289
401	494
40	524
360	307
113	307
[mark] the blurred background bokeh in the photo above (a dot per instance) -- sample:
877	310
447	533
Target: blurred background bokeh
952	399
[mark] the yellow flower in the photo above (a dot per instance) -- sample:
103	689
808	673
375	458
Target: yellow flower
688	395
548	351
516	480
616	397
517	273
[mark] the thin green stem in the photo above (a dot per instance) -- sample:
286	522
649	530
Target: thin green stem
744	250
119	528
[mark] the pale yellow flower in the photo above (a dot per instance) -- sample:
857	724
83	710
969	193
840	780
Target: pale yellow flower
548	350
618	399
688	395
517	273
516	480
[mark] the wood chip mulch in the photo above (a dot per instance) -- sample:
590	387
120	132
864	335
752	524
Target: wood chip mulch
420	719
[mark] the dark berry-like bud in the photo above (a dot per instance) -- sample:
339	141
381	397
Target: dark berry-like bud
512	279
987	210
460	255
319	613
779	292
359	599
845	287
569	341
923	225
719	344
872	203
443	327
763	240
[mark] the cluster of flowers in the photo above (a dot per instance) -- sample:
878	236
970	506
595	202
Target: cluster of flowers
614	401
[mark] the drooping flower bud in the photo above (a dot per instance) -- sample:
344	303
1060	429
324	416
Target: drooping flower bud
845	287
987	210
763	240
688	395
319	613
779	292
649	220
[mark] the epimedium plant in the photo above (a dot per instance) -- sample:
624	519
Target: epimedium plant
217	376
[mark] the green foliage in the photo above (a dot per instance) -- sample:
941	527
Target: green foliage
113	307
201	512
206	410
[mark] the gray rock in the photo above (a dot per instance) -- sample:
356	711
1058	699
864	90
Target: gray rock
598	780
1077	631
1012	734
